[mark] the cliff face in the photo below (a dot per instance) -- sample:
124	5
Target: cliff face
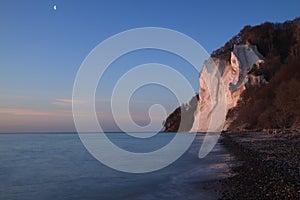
255	92
223	80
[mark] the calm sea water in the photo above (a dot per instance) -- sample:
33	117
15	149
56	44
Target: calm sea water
57	166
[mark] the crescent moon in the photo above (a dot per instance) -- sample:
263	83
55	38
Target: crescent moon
54	7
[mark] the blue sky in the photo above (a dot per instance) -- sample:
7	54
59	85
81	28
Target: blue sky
42	49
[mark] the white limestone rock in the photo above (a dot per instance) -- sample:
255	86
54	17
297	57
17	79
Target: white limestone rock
232	81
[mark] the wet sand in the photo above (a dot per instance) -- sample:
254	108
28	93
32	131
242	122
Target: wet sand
270	165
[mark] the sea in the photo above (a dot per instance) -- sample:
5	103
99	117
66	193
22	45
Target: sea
47	166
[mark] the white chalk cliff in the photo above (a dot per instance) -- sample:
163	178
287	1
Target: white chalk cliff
221	85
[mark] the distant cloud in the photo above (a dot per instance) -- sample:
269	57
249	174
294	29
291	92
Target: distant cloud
68	102
63	102
21	111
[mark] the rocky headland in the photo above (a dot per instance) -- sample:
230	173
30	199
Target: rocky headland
255	79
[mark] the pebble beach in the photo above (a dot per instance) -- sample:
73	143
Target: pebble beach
269	165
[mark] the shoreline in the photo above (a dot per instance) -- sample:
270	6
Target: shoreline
270	166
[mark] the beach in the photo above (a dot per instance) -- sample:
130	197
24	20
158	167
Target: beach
269	165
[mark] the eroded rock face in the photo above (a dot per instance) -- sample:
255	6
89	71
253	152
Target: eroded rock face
220	81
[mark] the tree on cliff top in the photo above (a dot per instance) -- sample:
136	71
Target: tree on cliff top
277	104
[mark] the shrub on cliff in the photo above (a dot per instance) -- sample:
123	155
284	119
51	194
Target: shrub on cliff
277	104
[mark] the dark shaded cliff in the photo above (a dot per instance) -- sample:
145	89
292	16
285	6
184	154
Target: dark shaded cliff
273	105
276	104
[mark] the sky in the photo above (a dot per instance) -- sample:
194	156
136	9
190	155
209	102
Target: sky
41	50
